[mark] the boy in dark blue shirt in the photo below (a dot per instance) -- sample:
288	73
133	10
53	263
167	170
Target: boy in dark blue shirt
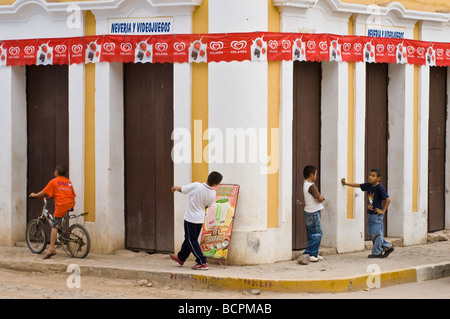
375	194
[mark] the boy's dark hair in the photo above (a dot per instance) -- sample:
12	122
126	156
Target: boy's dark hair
377	171
308	170
214	178
61	170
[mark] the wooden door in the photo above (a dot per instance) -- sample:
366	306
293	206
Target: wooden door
47	128
149	209
306	128
436	148
377	130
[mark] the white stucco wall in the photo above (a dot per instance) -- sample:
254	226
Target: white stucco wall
13	165
30	21
39	20
237	99
109	201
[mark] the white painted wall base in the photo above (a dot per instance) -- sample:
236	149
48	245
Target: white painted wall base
109	228
402	221
13	163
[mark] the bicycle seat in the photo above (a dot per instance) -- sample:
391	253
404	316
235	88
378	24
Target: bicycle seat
71	210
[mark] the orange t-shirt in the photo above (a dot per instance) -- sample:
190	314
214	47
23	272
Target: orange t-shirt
61	190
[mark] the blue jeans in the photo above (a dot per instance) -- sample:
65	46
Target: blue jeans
314	232
375	232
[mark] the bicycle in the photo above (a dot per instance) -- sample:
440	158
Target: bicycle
75	239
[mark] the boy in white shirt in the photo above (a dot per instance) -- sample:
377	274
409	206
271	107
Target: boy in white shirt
201	196
313	206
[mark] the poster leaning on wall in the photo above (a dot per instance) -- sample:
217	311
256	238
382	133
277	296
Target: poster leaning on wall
218	224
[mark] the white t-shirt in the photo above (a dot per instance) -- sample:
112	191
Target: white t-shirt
311	204
201	196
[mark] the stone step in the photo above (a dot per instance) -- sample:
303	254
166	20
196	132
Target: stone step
394	241
441	235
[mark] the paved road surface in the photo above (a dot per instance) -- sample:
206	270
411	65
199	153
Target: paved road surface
17	284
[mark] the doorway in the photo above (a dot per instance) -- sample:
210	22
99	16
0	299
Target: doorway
306	127
377	128
148	117
437	148
47	129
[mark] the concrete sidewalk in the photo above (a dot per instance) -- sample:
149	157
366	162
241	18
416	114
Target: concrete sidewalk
336	273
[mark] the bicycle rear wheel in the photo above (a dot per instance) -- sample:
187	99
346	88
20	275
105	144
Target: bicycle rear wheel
36	237
79	241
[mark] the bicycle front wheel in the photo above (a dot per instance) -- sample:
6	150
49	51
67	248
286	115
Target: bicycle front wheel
36	237
79	241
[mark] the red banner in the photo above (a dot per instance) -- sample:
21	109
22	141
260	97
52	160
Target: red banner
196	48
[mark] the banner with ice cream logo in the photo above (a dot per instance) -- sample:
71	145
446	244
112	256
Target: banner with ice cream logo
222	47
218	224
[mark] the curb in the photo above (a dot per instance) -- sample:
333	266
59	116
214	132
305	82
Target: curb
204	281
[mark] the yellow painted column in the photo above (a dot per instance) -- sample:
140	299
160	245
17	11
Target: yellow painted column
350	129
199	111
89	122
273	111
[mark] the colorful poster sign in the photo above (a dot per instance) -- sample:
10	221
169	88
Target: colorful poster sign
216	231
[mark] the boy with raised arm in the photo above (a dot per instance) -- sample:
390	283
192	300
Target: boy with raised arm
375	212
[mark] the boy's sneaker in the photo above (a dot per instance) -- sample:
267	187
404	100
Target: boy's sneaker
319	257
176	260
313	258
376	256
201	267
388	251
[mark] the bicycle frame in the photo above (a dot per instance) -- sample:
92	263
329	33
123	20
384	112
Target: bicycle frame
49	217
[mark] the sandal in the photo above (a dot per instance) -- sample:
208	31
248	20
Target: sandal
49	254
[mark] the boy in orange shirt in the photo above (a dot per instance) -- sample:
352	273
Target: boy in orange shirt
61	190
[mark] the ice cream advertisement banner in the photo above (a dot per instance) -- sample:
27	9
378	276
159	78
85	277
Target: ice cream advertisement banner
207	48
216	231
